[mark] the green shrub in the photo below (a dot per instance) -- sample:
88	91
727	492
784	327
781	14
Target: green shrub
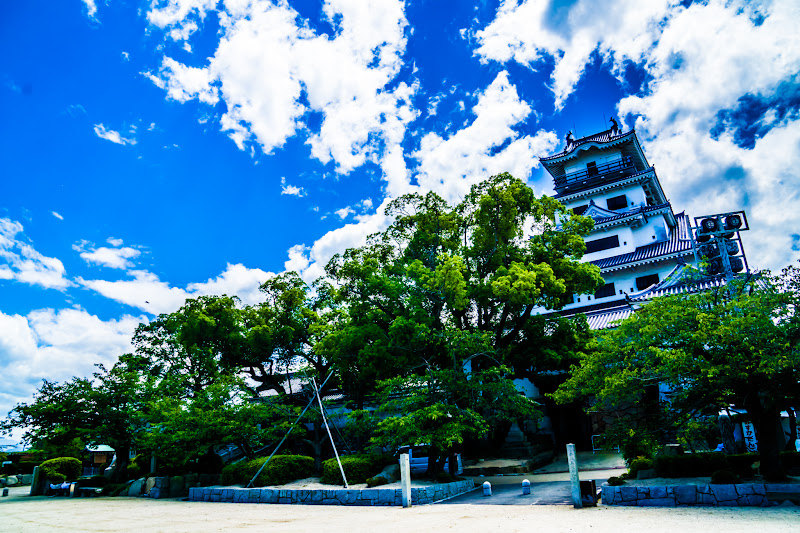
357	468
68	466
790	459
114	489
376	481
690	464
616	481
55	477
137	466
724	477
640	463
95	481
281	469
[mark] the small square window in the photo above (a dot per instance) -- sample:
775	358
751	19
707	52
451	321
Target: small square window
617	202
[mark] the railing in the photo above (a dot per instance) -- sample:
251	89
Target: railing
595	172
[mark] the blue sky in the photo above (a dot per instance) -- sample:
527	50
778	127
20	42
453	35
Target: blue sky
158	150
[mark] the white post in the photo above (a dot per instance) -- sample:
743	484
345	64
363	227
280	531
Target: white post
405	479
573	477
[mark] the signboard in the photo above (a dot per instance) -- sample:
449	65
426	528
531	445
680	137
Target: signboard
749	433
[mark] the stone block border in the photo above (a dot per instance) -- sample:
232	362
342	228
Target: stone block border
363	497
738	495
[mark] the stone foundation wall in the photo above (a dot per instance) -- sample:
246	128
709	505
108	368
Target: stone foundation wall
739	495
364	497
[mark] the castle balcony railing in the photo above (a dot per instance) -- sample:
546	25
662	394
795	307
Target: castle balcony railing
595	173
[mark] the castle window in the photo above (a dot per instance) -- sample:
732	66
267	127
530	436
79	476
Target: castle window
645	281
605	290
617	202
602	244
579	210
591	168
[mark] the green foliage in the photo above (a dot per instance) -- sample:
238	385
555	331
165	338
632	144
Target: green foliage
737	345
55	477
724	477
361	426
376	481
280	470
616	481
70	467
357	468
442	408
640	463
94	481
114	489
138	466
690	464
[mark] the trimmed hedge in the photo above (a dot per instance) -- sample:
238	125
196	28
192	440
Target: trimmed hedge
706	463
281	469
357	468
640	463
69	467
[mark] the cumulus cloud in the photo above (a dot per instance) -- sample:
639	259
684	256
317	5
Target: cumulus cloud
144	290
718	115
344	212
56	345
108	257
91	8
291	190
111	135
271	70
487	146
26	265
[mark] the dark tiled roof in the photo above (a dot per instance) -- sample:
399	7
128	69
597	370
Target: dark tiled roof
602	137
608	319
679	241
682	280
592	308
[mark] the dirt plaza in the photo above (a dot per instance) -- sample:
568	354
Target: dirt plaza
22	513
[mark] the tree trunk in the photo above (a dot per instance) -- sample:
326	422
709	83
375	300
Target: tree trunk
767	423
119	474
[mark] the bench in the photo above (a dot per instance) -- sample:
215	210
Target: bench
88	491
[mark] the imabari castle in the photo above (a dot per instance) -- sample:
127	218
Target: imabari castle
643	248
640	244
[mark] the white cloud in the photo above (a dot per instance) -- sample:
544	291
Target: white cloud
56	345
58	216
114	242
24	264
111	135
570	32
110	257
125	56
147	292
236	280
451	166
179	16
91	8
268	59
716	116
344	212
292	190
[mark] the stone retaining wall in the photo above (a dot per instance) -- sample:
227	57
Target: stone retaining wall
365	497
738	495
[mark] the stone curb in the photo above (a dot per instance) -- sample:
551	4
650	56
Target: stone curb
361	497
737	495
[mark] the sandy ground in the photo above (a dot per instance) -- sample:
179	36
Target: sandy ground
20	513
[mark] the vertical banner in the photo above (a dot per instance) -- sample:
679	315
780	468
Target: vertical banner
749	433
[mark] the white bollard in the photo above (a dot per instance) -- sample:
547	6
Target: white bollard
526	487
573	477
405	479
487	488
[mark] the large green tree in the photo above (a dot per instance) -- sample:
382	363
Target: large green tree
736	345
109	408
443	284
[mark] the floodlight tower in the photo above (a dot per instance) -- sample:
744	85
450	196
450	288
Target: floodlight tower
717	241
